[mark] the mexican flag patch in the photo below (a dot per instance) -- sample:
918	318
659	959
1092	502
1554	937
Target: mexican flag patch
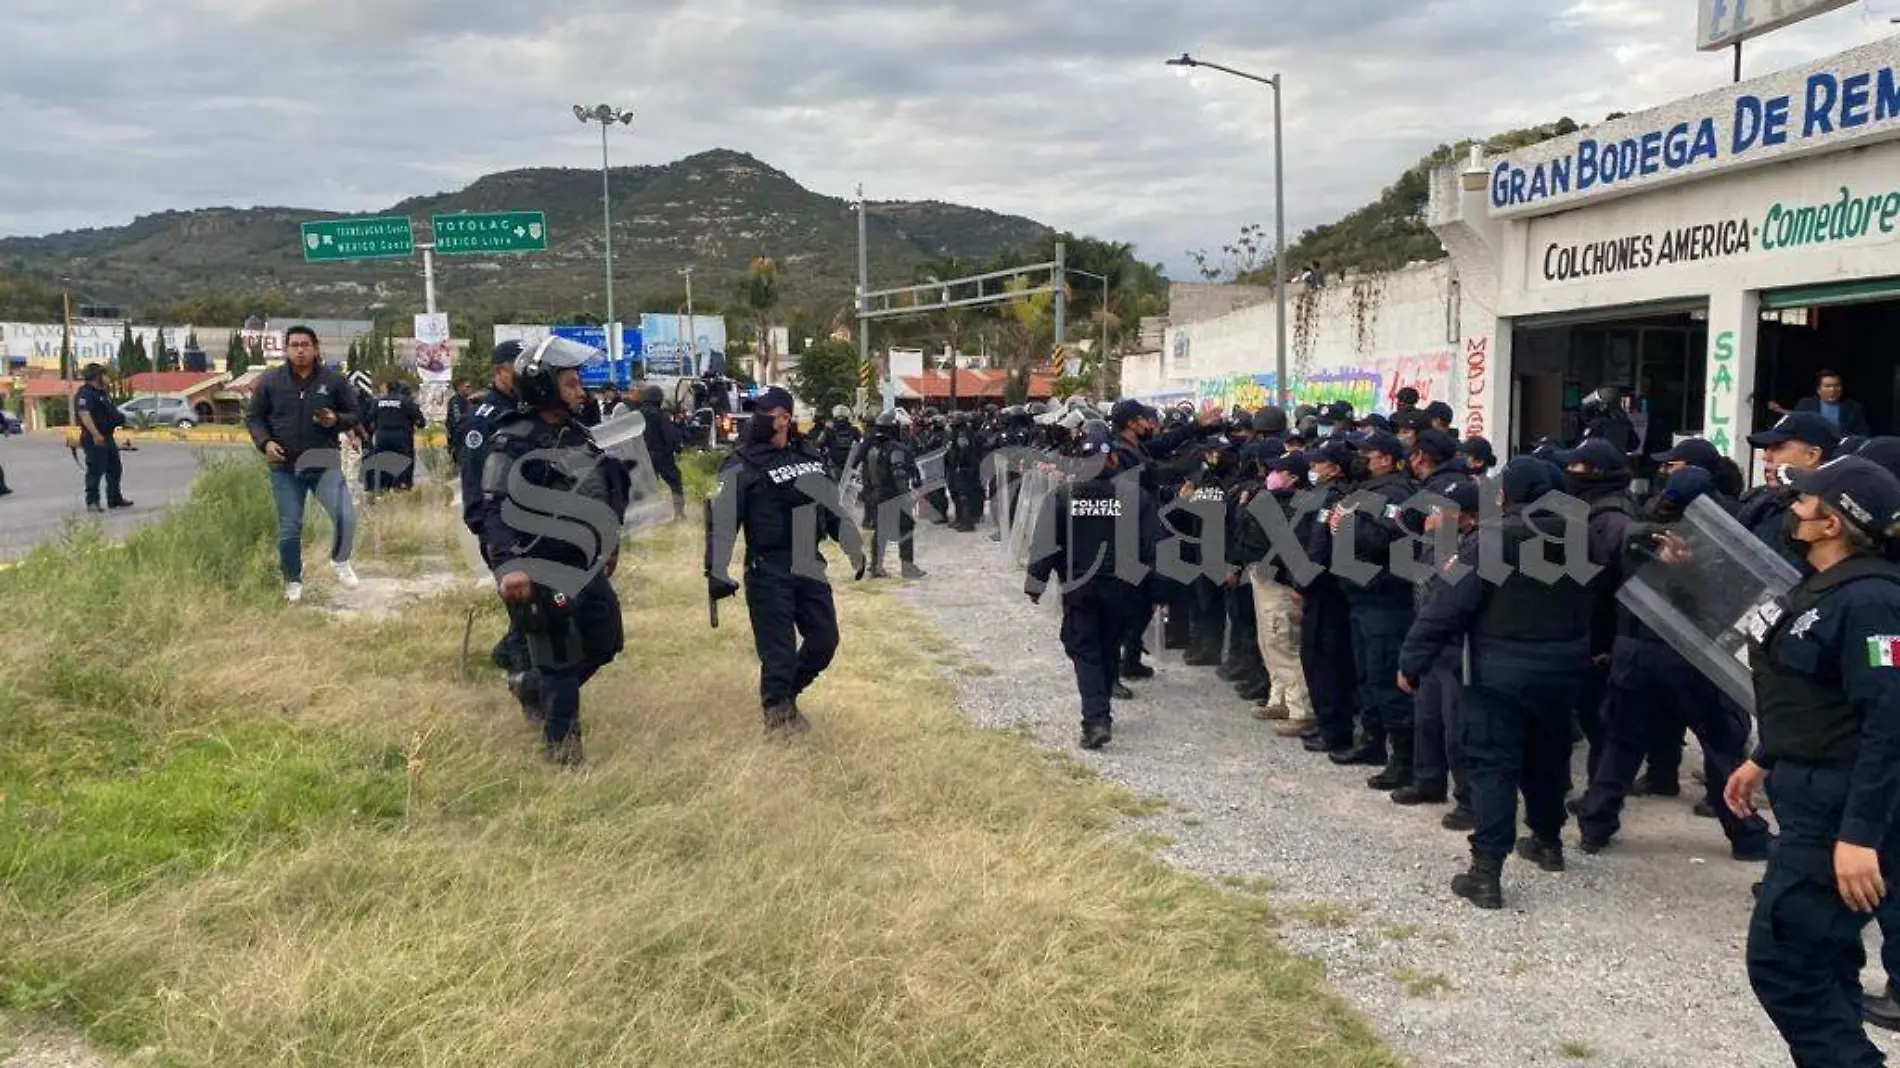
1883	650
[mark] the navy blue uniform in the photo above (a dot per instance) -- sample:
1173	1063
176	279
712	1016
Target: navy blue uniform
1827	696
102	459
571	527
394	420
1326	646
1381	611
1527	644
1081	528
964	463
509	654
786	506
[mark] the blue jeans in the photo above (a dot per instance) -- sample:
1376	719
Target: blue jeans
288	489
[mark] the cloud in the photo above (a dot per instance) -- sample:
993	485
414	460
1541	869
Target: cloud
1057	111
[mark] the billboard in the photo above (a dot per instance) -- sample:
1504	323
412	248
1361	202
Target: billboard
1721	23
607	371
677	345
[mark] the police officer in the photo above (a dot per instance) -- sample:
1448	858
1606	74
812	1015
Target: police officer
1076	541
890	476
456	421
964	464
98	419
663	446
1604	417
1826	665
764	490
1527	642
395	420
510	654
837	441
1478	455
1652	690
1596	473
1439	766
1381	611
1800	441
1327	657
1276	614
556	584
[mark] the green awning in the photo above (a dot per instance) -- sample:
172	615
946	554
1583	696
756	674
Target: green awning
1856	292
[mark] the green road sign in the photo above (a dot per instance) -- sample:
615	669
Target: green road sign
493	231
365	238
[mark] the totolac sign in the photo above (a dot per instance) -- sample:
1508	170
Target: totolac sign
1851	99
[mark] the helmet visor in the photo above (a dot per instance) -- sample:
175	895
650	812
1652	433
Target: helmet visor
559	354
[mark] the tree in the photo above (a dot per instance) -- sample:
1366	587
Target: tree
827	374
128	356
759	292
1242	257
237	359
353	362
161	356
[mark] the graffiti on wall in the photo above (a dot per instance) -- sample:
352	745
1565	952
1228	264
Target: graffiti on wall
1371	388
1477	353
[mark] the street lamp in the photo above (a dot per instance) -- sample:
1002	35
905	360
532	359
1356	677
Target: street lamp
1279	214
606	115
1101	368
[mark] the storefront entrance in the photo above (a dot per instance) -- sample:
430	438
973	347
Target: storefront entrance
1655	357
1853	330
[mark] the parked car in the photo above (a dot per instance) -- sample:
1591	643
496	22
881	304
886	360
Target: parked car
160	411
10	424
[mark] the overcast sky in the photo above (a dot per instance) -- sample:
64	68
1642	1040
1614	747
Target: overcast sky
1060	111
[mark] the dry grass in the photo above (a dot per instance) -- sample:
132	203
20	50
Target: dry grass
247	835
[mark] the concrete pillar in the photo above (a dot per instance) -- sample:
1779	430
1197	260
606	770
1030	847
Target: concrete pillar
1734	324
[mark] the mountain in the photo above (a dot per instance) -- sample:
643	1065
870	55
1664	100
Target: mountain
714	211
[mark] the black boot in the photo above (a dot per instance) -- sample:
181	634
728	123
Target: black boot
798	724
1479	883
1123	693
1420	793
1547	854
1369	751
1459	819
526	686
1097	735
779	717
1254	691
1135	669
1199	655
1229	670
1398	770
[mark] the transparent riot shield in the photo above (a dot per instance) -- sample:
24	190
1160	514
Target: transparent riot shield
1038	481
1716	588
851	479
623	438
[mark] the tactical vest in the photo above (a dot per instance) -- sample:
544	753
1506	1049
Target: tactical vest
1524	609
1805	715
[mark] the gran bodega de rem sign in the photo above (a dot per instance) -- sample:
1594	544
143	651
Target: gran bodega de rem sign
1850	100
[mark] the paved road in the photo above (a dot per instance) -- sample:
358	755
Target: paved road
49	488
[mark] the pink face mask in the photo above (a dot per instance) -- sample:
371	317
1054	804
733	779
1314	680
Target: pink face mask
1280	480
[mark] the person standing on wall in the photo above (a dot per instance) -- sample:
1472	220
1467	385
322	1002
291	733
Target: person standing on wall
98	418
1829	403
298	415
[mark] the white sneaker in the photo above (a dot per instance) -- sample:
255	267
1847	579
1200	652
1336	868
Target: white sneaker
345	574
293	592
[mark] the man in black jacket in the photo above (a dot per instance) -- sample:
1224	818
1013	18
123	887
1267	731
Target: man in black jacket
298	414
392	458
1381	610
1829	403
1527	643
663	446
98	420
1596	473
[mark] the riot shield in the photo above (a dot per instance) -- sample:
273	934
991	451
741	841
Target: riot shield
851	479
1709	598
931	470
623	438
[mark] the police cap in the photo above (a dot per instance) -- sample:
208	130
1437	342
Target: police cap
1860	490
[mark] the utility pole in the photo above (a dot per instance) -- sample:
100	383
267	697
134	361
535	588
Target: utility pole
1061	283
428	276
690	331
889	388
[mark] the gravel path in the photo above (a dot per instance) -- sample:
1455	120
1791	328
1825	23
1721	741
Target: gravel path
1630	958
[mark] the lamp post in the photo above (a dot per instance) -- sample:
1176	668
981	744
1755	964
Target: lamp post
1101	367
1280	384
606	115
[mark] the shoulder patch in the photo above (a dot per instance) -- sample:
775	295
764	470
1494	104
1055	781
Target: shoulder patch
1883	651
473	440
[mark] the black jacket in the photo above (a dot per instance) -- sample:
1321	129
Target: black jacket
284	410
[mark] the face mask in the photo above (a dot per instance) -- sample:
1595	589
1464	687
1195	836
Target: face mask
1792	525
761	429
1280	480
1325	429
1312	478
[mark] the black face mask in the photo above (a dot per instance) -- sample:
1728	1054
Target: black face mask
1791	527
762	429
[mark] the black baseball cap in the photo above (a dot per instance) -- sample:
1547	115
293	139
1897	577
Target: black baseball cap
1337	453
1441	410
1884	451
1463	492
1293	462
1696	452
1436	444
1809	428
1126	412
1596	452
774	398
1863	492
507	352
1478	449
1379	441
